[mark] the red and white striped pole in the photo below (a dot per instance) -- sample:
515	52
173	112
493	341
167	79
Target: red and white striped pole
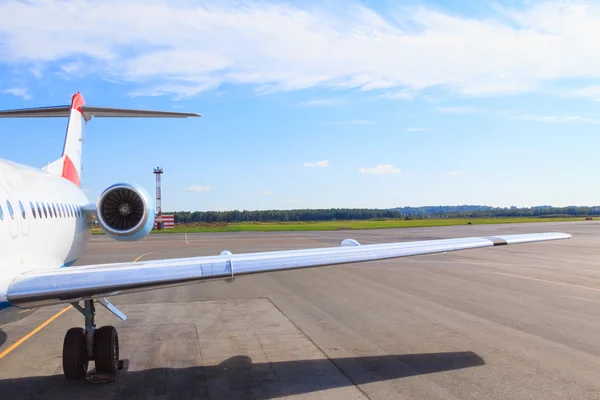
158	172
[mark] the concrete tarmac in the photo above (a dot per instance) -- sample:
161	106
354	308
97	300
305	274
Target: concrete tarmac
509	322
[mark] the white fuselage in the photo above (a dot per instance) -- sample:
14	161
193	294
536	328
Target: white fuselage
47	228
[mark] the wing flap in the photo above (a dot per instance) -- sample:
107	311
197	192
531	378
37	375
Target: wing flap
104	280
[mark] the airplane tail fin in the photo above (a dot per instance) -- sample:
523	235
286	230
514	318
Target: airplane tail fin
69	164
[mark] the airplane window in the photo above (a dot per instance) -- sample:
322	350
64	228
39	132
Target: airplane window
77	211
70	210
62	210
50	210
54	210
22	210
39	209
1	214
32	209
10	209
45	211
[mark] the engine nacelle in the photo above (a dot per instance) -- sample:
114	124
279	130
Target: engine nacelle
125	212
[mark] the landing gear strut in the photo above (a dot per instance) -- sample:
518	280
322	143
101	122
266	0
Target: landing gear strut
90	344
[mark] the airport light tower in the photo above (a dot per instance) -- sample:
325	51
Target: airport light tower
158	172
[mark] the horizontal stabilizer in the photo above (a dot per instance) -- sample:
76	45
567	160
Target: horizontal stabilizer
89	112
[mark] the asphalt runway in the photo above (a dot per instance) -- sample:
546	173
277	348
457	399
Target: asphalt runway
509	322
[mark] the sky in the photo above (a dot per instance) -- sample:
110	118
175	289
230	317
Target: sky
315	104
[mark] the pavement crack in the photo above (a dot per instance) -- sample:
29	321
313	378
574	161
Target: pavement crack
320	349
202	359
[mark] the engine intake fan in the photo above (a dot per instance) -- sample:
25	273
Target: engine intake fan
124	211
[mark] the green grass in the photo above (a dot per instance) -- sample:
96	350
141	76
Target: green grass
339	225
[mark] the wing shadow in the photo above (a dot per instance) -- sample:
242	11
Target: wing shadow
239	378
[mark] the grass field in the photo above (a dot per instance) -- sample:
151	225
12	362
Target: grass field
339	225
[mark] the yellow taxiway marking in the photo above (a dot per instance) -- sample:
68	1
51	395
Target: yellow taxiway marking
39	328
33	332
138	258
186	239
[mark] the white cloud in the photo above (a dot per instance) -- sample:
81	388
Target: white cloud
19	92
458	110
320	164
557	118
590	92
353	122
453	173
71	67
405	94
199	188
380	169
265	192
36	71
417	130
180	91
334	102
181	48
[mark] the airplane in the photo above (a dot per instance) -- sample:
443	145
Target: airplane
46	220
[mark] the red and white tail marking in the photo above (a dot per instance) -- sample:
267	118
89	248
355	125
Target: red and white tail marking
69	164
73	141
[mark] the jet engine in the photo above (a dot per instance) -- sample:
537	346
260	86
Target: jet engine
125	212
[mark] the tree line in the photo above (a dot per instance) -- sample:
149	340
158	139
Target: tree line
283	215
306	215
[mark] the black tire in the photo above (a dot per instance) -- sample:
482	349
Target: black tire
74	356
106	350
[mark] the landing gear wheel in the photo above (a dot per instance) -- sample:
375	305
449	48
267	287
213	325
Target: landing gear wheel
74	356
106	350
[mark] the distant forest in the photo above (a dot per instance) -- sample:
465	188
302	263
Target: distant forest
465	211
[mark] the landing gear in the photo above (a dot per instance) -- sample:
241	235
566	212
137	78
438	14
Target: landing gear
75	358
106	350
90	344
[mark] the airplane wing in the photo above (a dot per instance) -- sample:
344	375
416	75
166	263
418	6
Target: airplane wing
74	284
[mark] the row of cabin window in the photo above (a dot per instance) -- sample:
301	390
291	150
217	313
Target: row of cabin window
44	210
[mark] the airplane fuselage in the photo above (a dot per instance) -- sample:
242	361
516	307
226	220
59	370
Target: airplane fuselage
42	225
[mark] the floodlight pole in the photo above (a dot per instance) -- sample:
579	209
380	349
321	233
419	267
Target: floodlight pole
158	172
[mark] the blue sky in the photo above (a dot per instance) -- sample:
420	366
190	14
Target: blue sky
309	105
